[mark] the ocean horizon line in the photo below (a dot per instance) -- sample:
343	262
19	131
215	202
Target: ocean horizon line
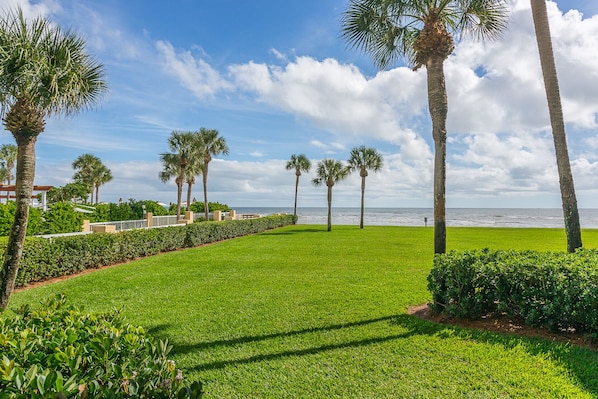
455	217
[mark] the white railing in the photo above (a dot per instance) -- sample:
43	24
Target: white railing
123	224
159	221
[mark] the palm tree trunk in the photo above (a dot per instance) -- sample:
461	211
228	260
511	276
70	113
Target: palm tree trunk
438	105
296	192
205	191
97	193
362	201
329	208
16	239
551	84
179	197
189	185
8	182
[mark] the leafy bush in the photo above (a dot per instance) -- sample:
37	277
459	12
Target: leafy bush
62	218
76	191
556	290
199	207
132	210
7	216
60	351
60	256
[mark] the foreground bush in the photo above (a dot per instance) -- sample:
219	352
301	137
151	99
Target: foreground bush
558	291
60	256
61	352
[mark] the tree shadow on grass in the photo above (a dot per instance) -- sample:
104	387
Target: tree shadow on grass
581	362
182	349
294	232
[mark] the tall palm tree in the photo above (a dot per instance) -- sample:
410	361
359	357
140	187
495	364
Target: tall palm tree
101	176
362	159
8	157
85	166
194	169
301	164
4	176
329	172
211	144
555	109
185	149
422	31
45	71
171	163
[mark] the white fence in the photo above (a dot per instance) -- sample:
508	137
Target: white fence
123	225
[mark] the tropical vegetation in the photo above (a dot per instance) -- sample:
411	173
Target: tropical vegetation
298	163
298	312
8	159
91	172
46	71
191	152
89	356
364	159
60	217
329	172
422	32
76	191
211	144
7	218
555	108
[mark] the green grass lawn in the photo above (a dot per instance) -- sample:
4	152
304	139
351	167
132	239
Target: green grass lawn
299	312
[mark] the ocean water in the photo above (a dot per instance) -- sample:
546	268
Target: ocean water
480	217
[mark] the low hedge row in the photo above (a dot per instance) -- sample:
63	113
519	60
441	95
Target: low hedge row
60	256
558	291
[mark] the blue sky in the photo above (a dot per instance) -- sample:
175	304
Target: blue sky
275	78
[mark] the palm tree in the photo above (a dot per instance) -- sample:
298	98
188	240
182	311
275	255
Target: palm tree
185	152
422	31
101	175
8	156
45	71
551	85
301	164
329	171
194	169
85	166
4	176
210	145
362	159
171	163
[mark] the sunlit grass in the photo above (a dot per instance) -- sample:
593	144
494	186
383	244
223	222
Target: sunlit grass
300	312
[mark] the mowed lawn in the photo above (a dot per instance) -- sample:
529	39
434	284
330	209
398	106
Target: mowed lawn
300	312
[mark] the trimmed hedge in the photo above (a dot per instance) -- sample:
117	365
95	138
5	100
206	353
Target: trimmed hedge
62	352
558	291
60	256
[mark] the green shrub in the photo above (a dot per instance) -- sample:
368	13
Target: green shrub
60	256
7	217
62	218
558	291
60	351
198	207
132	210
